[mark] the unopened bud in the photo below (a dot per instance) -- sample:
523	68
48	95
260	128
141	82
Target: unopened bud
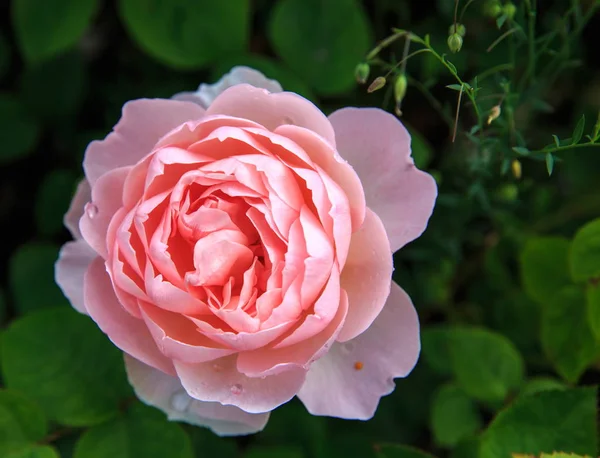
455	42
509	10
377	84
457	28
361	72
492	9
400	88
516	168
494	114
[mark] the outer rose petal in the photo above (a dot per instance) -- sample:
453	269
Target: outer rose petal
165	392
366	276
143	122
207	93
377	145
128	333
69	271
336	386
82	196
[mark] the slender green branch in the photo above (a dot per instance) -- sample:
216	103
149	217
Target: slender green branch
561	149
501	37
490	71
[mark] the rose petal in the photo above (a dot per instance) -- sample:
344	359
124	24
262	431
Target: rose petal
367	275
165	392
143	122
220	381
128	333
377	145
83	195
73	260
272	110
351	378
207	93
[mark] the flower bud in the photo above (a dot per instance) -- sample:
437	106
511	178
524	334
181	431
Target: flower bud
400	88
509	10
457	28
377	84
492	9
361	72
455	42
494	114
516	168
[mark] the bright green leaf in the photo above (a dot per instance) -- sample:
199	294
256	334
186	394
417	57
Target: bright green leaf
321	41
521	150
547	421
187	34
562	455
544	267
35	451
566	335
584	256
593	308
18	132
22	422
274	452
486	365
400	451
537	384
454	416
578	132
549	163
556	140
140	432
63	361
45	29
52	200
31	277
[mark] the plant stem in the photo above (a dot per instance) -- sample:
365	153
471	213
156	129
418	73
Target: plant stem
560	149
531	13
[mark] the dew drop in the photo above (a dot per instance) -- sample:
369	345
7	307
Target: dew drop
180	401
91	209
217	367
236	389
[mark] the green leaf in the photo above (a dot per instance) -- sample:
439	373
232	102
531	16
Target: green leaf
35	451
501	20
556	141
4	56
141	432
22	422
549	163
584	255
400	451
547	421
274	452
593	308
567	338
31	277
187	34
578	132
454	416
486	365
538	384
45	29
52	201
435	343
455	87
54	89
521	150
544	267
321	41
63	361
18	132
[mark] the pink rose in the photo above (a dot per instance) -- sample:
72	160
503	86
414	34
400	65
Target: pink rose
237	245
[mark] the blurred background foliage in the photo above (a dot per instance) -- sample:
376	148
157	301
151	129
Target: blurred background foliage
506	278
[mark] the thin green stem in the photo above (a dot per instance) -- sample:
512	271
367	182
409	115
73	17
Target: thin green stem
560	149
501	37
531	14
496	69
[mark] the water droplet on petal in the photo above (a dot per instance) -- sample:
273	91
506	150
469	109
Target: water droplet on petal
180	401
91	209
236	389
217	367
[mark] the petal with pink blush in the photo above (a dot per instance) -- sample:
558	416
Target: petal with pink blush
377	145
272	110
143	122
351	378
160	390
82	196
106	201
366	276
128	333
220	381
73	260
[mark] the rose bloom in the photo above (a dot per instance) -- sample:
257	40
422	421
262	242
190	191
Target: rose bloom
237	245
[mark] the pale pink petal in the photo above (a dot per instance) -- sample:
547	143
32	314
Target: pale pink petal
206	93
272	110
160	390
377	145
128	333
73	261
82	196
143	122
351	378
367	276
220	381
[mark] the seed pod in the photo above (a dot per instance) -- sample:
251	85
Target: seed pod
377	84
361	72
494	114
455	42
516	168
510	10
457	28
